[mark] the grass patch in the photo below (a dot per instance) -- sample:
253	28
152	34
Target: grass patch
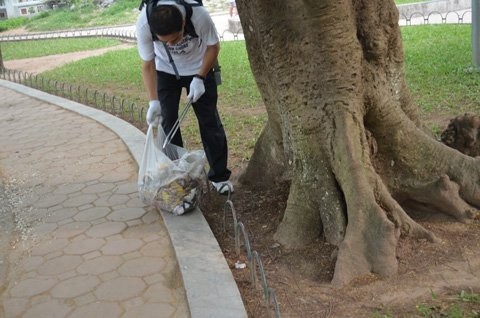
465	304
438	60
115	72
120	12
28	49
12	23
238	85
399	2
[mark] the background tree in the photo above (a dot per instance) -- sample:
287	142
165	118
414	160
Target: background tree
2	67
343	129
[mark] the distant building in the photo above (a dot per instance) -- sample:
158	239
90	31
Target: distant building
19	8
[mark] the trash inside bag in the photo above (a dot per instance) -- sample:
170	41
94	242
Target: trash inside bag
169	178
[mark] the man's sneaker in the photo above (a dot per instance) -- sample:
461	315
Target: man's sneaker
188	204
223	187
183	208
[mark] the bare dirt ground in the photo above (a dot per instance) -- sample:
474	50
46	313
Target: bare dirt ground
430	275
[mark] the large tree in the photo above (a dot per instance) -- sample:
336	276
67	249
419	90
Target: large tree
344	130
2	66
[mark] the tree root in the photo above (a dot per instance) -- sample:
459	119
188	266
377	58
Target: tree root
405	224
443	196
368	247
295	230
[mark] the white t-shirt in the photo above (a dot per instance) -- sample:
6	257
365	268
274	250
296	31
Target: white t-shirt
188	53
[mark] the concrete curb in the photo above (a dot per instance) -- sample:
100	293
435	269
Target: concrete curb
209	285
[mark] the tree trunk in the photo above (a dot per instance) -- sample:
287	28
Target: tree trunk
2	67
342	123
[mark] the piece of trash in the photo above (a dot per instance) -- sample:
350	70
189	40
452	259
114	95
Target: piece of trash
239	265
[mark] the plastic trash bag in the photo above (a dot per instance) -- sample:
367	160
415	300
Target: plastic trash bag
168	178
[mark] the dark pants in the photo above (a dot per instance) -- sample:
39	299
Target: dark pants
211	128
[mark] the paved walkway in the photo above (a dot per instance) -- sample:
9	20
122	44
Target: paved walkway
83	244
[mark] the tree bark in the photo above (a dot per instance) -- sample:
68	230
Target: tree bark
342	124
2	67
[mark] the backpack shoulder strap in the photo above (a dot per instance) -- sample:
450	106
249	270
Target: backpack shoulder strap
189	28
150	4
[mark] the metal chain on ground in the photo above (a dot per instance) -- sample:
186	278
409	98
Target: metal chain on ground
254	261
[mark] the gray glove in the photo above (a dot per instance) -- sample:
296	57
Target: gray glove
154	112
197	89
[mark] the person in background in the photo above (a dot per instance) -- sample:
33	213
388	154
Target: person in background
178	53
232	8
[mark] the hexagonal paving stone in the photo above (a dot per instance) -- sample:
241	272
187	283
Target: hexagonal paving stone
134	201
80	200
106	229
105	168
150	311
71	229
13	307
32	286
49	246
51	309
75	286
121	246
31	263
150	217
50	200
92	214
159	293
126	214
117	199
120	156
127	188
59	265
157	248
84	246
103	151
98	188
68	188
45	228
142	266
62	214
97	310
117	176
100	265
121	288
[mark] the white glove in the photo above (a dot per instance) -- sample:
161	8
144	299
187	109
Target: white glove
197	88
154	112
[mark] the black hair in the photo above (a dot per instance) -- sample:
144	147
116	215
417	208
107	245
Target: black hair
165	20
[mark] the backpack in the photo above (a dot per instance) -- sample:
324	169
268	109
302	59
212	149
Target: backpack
189	28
